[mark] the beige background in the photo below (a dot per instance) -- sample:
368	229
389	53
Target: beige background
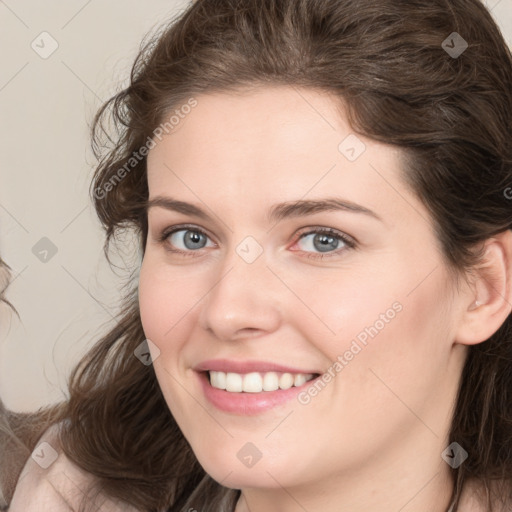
46	107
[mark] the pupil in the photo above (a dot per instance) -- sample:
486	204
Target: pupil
193	240
324	243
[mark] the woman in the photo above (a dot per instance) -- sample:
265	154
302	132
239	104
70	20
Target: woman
320	193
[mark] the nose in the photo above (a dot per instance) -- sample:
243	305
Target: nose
243	300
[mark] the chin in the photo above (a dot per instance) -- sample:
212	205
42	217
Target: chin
231	472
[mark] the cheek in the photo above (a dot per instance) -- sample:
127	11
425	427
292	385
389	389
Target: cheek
166	309
152	302
164	301
345	304
380	321
402	360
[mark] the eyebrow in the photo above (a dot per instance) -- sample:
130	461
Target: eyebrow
277	213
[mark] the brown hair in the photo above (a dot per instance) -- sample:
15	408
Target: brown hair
384	59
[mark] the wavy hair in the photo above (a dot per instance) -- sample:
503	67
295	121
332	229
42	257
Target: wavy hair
384	60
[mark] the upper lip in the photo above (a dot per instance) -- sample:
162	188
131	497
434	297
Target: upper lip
227	365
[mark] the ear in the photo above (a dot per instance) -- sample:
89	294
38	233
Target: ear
488	302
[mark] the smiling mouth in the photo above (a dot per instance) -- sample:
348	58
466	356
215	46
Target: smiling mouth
257	382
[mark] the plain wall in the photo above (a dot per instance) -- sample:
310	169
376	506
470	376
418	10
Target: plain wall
46	108
62	287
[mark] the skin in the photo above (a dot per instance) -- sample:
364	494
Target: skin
372	438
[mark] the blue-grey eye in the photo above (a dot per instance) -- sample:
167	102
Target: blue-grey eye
321	242
188	239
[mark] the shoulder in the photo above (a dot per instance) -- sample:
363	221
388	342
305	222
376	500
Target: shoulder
50	481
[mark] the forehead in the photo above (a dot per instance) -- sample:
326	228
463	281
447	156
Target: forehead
271	121
272	144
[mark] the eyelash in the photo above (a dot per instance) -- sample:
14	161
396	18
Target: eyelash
349	242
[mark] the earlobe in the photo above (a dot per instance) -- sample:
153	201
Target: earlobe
490	297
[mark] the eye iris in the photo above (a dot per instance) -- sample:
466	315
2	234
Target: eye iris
324	243
194	240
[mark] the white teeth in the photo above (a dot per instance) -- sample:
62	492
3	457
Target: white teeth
252	383
300	379
218	380
256	382
286	381
233	382
270	381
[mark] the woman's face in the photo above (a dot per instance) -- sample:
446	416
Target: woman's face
295	249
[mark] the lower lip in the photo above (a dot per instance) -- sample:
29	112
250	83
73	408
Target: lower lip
248	404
